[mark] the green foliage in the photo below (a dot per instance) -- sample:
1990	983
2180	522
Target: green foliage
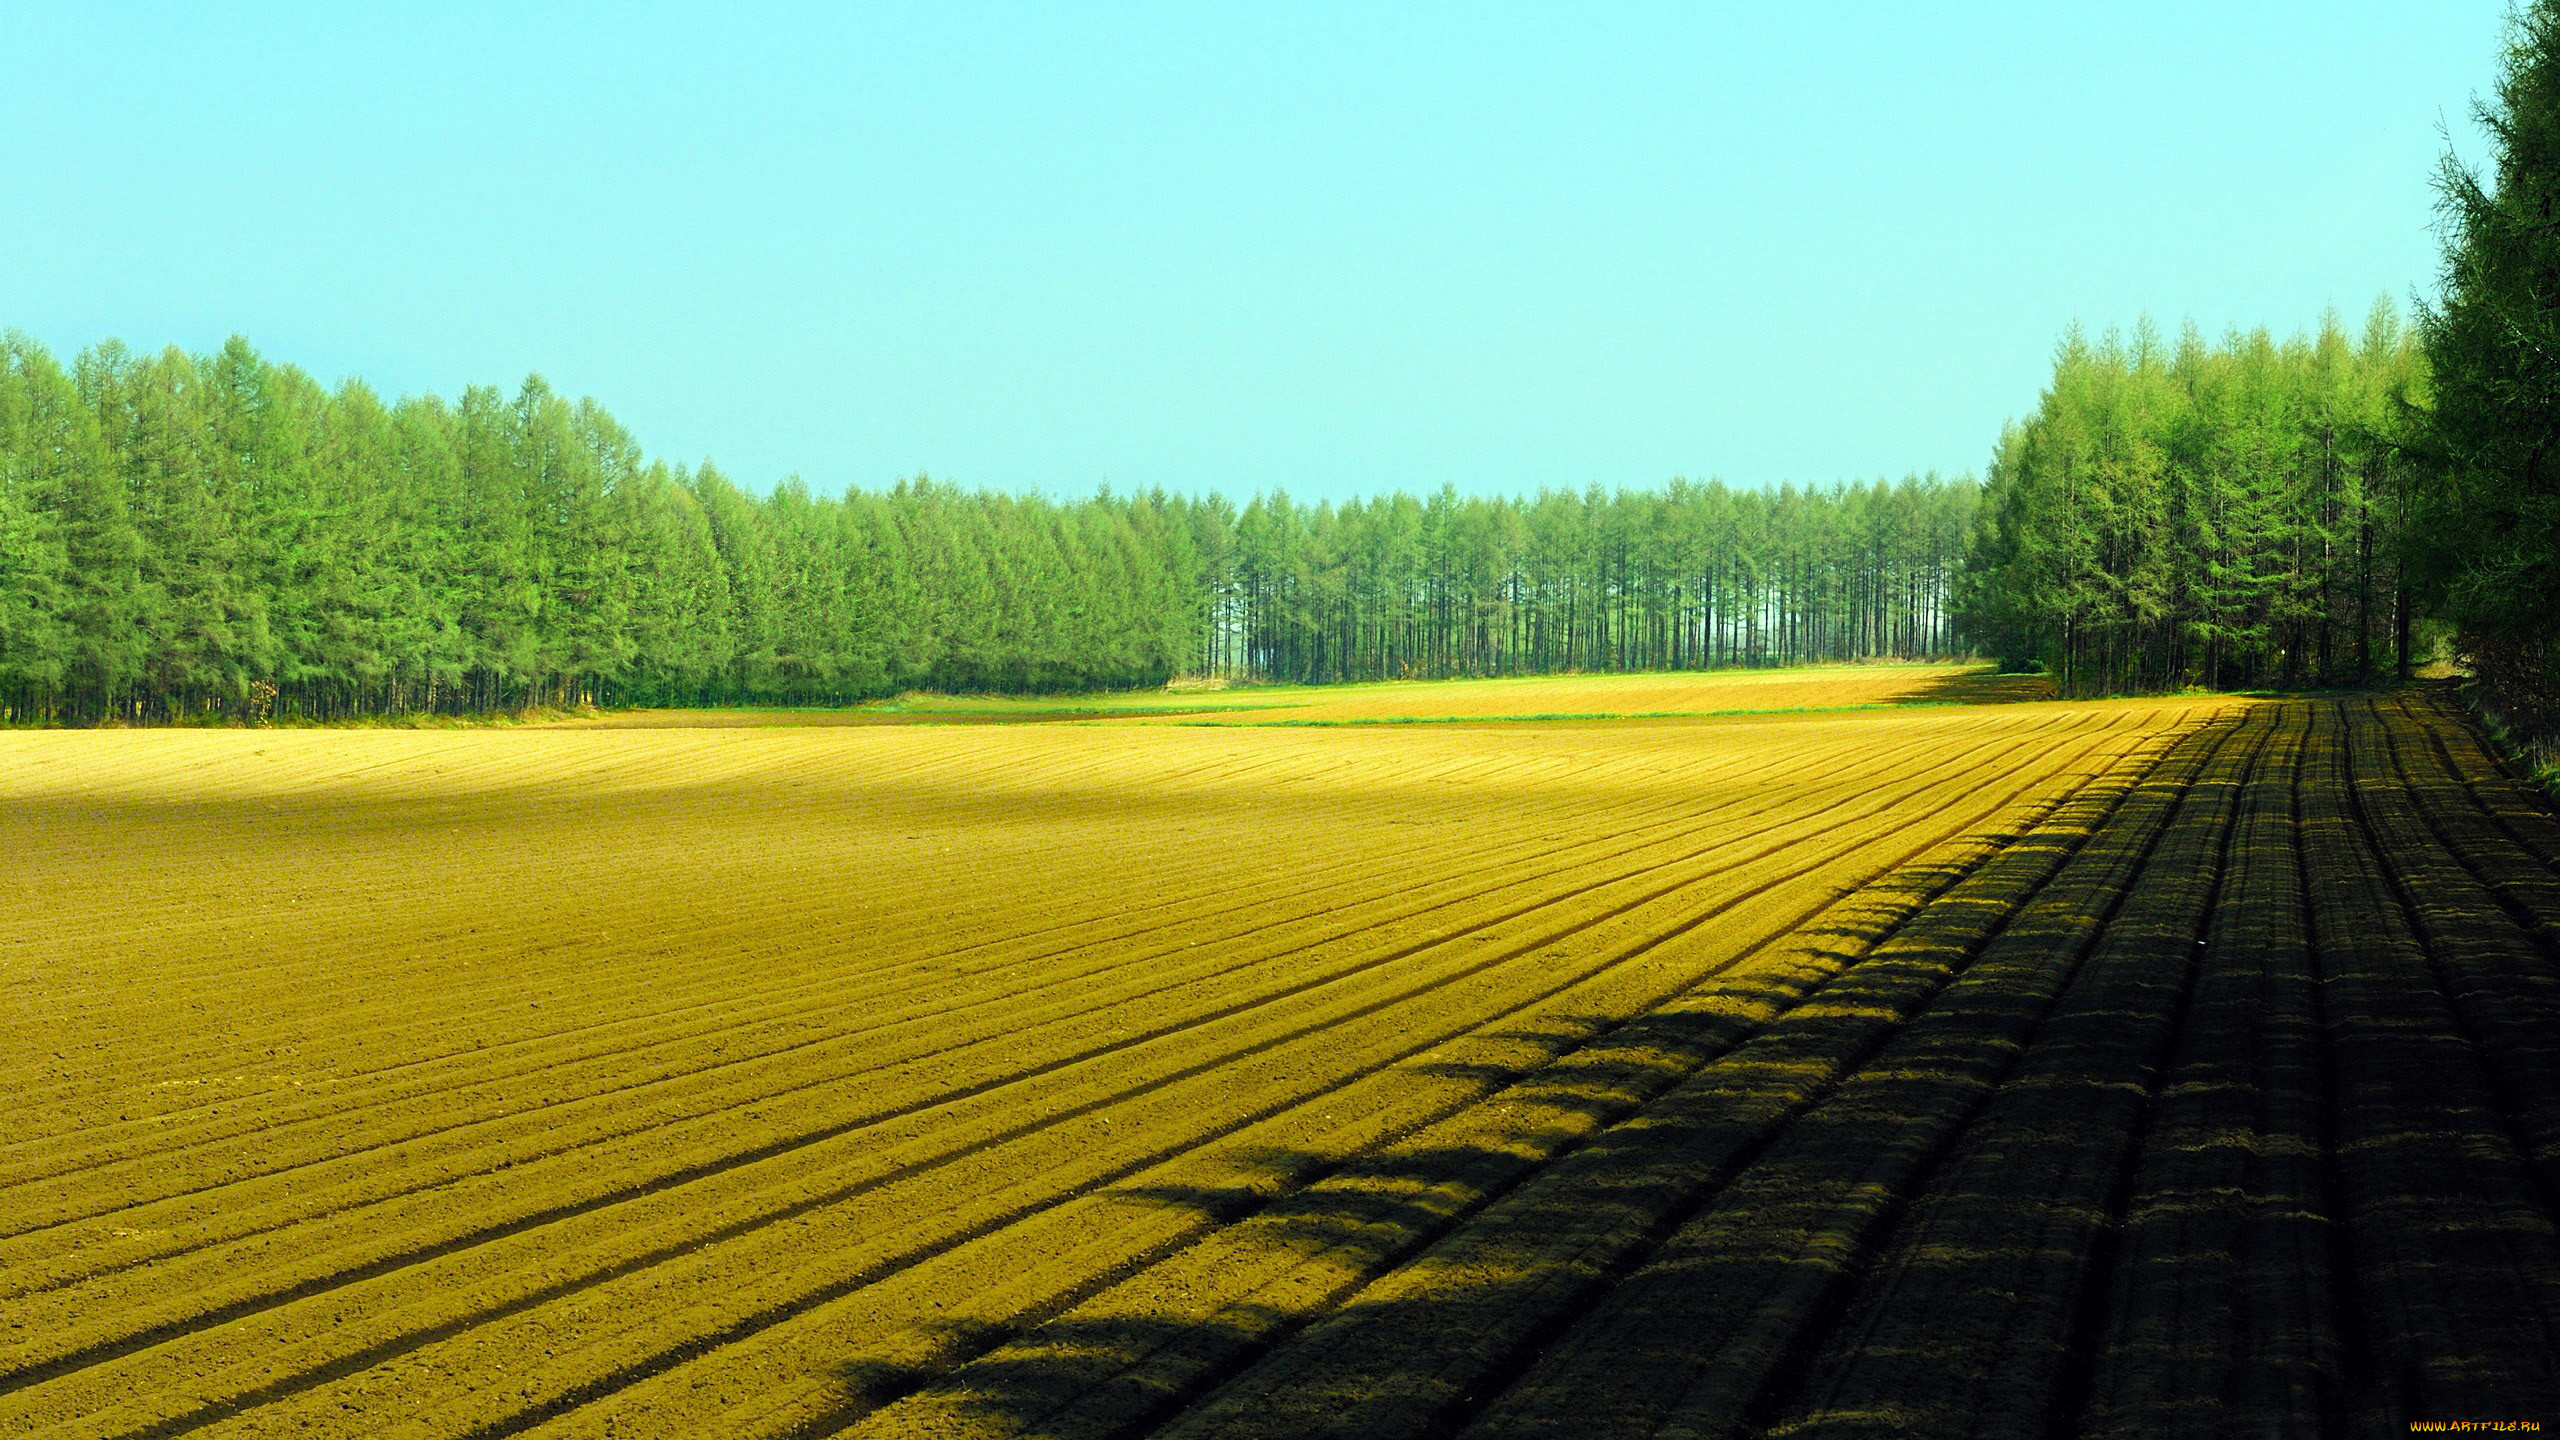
191	537
1688	576
2485	538
2221	515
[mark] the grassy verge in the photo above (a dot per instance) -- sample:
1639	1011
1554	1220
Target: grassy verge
2536	758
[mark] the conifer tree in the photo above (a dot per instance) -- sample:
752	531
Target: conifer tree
2484	532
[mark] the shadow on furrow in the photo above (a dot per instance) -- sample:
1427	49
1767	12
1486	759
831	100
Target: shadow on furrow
1417	1357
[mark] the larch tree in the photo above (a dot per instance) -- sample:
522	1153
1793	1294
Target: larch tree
2484	531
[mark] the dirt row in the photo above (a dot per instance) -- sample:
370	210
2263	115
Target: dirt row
689	1203
940	1029
824	1183
435	946
2220	1102
976	945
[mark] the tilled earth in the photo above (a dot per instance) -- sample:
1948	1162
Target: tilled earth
2188	1067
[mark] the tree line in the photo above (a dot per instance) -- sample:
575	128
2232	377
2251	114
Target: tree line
2249	512
196	537
2226	514
1691	575
216	536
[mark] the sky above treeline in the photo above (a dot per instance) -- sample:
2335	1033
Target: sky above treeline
1335	249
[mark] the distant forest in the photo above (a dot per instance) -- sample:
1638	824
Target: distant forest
213	537
218	536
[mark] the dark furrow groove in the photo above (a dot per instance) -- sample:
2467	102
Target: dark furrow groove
547	1037
390	1349
770	1011
883	1396
2510	1122
1273	997
2089	1312
1519	1359
2346	1317
704	1345
1786	1382
2537	929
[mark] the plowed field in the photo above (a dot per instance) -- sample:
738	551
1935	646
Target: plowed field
2124	1068
1677	695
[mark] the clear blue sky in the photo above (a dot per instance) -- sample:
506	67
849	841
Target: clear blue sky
1331	248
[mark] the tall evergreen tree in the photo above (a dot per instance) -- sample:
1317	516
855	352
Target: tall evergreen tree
2485	509
2195	514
